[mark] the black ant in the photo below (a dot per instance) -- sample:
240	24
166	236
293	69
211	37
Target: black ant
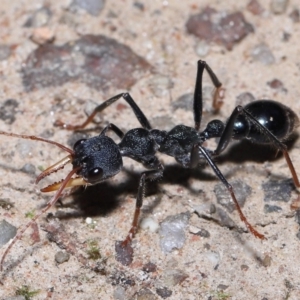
99	158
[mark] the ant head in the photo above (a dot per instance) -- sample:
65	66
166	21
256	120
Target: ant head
98	158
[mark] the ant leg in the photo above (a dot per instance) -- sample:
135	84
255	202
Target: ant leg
114	128
198	97
126	96
152	175
227	134
275	141
194	159
36	138
49	204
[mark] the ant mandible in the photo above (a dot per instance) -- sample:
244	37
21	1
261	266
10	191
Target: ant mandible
99	158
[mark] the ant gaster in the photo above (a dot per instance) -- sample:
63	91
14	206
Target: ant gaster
99	158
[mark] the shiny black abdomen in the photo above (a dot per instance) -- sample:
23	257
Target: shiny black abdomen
276	117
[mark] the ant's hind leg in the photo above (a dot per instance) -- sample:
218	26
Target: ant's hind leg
274	141
228	133
206	156
126	96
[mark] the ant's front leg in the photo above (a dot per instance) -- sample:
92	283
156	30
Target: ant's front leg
152	175
126	96
113	128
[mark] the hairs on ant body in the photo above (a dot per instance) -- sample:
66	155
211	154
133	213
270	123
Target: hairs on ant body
99	158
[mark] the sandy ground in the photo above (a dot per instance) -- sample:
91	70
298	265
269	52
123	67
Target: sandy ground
228	264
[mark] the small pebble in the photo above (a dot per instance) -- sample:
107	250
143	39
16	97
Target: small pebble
199	231
121	279
202	48
88	220
266	261
145	294
277	84
8	111
5	203
39	18
92	7
222	287
163	292
222	217
61	257
244	267
295	15
213	257
184	101
278	6
172	232
124	255
139	5
278	190
24	148
119	293
272	208
149	267
241	191
5	52
172	277
42	35
7	232
149	224
29	169
254	7
160	84
263	54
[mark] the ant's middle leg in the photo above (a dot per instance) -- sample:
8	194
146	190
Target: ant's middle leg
126	96
198	150
198	97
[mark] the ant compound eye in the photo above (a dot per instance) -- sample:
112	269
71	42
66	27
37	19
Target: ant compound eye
95	175
79	142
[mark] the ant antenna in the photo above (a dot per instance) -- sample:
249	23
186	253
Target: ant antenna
49	204
60	187
36	138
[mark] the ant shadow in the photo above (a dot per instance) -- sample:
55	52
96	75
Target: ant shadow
245	151
104	198
101	199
